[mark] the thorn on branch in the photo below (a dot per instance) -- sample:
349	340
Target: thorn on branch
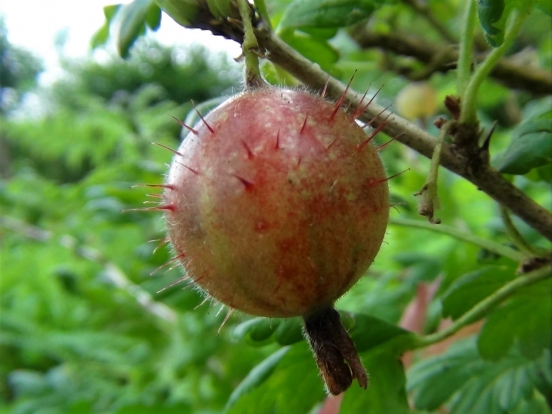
487	140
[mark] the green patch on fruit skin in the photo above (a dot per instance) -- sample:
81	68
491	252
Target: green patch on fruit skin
352	197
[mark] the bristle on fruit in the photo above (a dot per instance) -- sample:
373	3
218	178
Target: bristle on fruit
338	104
277	145
246	183
209	127
325	89
165	186
182	124
174	259
203	302
250	154
304	125
176	282
196	172
169	207
162	242
167	148
371	136
376	181
360	110
385	145
228	314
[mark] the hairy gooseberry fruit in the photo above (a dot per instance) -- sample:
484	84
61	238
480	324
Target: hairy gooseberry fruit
279	204
276	204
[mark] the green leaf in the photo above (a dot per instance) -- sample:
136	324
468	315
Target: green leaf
434	380
257	331
527	319
499	388
545	6
369	332
153	17
537	108
110	11
531	146
153	409
131	20
542	376
100	37
263	329
323	34
422	267
492	17
533	406
289	332
386	392
25	381
182	11
544	174
469	289
219	8
326	13
291	385
81	407
472	385
315	49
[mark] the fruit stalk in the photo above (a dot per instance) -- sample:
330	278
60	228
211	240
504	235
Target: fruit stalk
334	351
253	76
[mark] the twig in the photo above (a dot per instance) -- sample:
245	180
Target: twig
487	244
531	79
115	275
468	114
486	305
515	236
486	178
465	53
429	198
253	76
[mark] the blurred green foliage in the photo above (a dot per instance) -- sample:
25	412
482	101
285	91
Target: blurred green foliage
85	328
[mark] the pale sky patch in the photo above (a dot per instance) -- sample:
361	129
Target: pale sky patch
34	24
